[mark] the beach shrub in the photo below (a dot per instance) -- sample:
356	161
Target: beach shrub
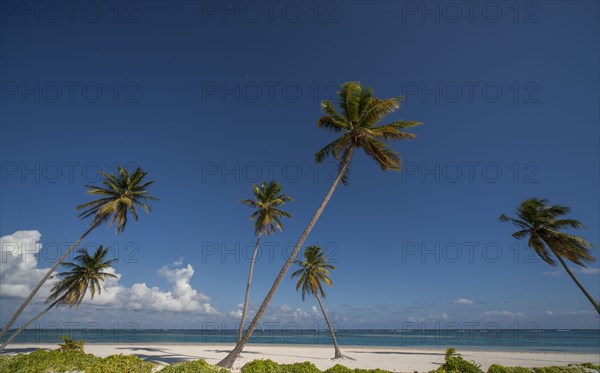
502	369
196	366
69	361
571	368
339	369
70	345
305	367
260	366
269	366
456	364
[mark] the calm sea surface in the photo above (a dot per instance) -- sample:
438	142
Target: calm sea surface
576	340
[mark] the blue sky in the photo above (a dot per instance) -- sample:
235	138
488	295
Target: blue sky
210	100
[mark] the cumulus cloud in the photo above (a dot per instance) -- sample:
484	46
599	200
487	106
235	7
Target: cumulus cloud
462	301
19	274
18	265
495	314
181	298
549	313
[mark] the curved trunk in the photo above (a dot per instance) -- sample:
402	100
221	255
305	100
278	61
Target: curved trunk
338	354
228	361
43	280
589	297
27	324
245	309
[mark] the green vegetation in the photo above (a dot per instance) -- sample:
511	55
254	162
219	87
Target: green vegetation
269	366
44	361
454	363
196	366
70	345
69	361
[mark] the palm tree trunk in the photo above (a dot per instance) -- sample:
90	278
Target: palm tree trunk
27	324
228	361
43	280
338	354
245	309
594	303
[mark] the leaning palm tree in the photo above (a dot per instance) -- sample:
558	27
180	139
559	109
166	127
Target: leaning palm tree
84	275
313	273
357	125
119	195
267	219
539	221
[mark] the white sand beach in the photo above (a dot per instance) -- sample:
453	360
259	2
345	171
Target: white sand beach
390	358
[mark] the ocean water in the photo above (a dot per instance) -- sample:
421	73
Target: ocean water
576	340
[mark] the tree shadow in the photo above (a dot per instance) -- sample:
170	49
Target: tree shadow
16	350
398	353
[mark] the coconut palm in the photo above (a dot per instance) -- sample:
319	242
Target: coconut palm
267	219
313	273
84	275
357	127
119	195
538	221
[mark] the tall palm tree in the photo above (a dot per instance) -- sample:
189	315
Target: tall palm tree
357	125
539	221
119	195
84	275
313	273
267	219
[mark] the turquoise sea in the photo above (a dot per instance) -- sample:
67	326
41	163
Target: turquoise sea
575	340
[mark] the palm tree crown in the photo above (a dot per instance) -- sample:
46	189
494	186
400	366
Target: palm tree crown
313	273
84	275
358	125
267	216
120	195
538	221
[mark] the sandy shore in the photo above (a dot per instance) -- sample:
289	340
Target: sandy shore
389	358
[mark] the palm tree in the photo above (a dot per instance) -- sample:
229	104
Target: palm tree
120	195
357	127
266	220
538	221
313	272
84	275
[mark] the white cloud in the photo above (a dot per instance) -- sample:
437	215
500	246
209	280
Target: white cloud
178	262
549	313
581	312
237	313
462	301
18	265
493	314
589	271
19	274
